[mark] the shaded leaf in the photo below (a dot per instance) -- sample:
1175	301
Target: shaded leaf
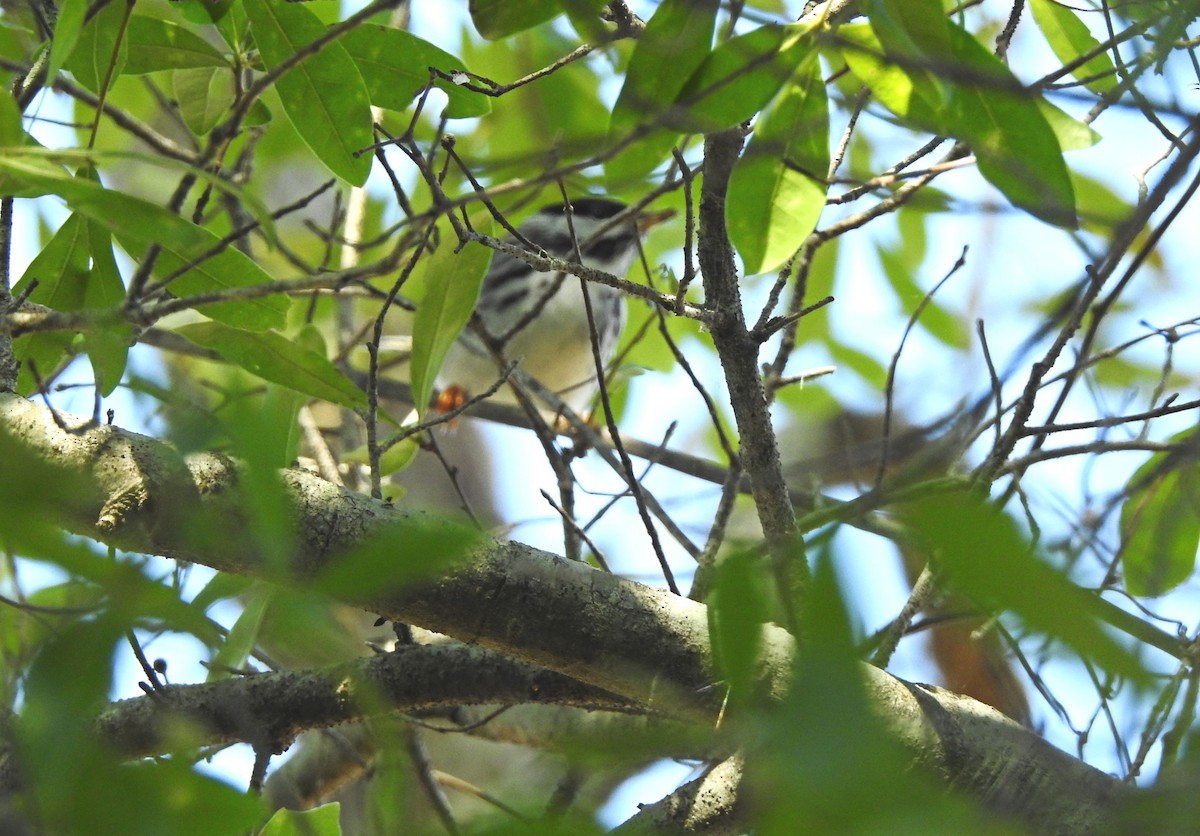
739	77
324	96
205	95
137	224
410	550
1160	522
273	357
101	45
156	44
496	19
675	42
984	555
395	67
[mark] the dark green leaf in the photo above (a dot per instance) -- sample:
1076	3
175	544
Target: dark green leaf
585	17
205	95
61	271
495	19
777	190
324	96
738	607
1160	522
452	282
243	635
274	357
156	44
101	47
395	66
739	77
675	42
107	348
11	132
824	756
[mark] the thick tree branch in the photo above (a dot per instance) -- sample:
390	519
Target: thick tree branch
275	707
641	644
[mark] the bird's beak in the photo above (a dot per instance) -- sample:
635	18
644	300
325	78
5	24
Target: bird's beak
647	220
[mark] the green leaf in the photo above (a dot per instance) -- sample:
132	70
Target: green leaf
496	19
205	95
61	271
675	43
1070	38
67	29
739	604
452	282
101	45
320	821
107	348
1160	522
243	635
936	320
739	77
324	96
777	190
395	66
156	44
585	17
412	549
823	755
274	357
11	132
866	366
982	104
984	555
137	224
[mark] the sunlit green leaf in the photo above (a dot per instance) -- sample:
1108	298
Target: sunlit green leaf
243	635
324	95
67	28
452	282
321	821
1070	38
982	104
777	190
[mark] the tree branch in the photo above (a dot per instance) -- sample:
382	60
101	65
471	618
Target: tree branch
641	644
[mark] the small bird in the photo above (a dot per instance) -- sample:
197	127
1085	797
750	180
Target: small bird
539	318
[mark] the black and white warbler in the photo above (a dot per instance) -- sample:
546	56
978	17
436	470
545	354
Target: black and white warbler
538	318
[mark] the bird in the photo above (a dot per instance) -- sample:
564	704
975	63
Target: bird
538	319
